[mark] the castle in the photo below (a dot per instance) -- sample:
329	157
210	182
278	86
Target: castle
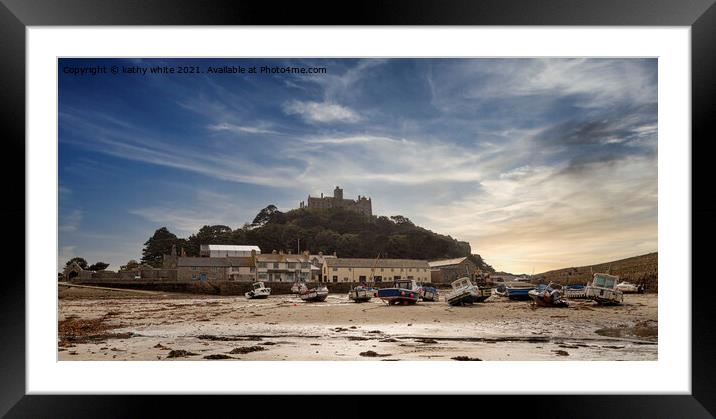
361	205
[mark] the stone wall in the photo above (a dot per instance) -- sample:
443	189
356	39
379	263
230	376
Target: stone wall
212	287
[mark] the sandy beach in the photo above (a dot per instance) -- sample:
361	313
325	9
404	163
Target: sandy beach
97	324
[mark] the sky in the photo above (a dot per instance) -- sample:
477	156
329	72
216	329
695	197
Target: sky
538	163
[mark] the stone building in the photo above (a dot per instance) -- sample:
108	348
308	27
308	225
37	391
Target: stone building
448	270
282	267
362	205
216	268
374	270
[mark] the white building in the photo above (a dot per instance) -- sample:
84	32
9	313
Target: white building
225	250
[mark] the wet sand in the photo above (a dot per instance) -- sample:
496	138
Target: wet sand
126	325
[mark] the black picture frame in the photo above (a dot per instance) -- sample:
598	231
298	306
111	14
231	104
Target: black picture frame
16	15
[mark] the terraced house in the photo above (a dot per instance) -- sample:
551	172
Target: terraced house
281	267
374	270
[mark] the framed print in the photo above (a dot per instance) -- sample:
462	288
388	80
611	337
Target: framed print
237	209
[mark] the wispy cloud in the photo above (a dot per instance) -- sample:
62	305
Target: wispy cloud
70	221
238	129
321	112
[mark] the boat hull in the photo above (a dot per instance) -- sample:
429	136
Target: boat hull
461	298
604	296
402	296
429	294
545	299
361	296
518	293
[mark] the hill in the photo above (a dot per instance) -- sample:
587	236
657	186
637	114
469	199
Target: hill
347	233
637	269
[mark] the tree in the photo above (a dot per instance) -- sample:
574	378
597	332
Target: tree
80	261
399	219
131	265
99	266
267	215
157	246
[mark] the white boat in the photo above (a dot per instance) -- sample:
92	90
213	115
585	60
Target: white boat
259	291
627	287
310	294
463	292
361	294
603	290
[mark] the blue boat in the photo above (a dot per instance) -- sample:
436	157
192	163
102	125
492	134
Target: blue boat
428	293
574	291
403	292
515	290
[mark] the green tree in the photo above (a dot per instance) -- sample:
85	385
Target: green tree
158	245
80	261
99	266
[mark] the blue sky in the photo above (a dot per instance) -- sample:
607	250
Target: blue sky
538	163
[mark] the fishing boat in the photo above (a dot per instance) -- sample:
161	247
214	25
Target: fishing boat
628	287
258	291
361	294
310	295
428	293
463	292
515	290
547	296
403	292
603	290
574	291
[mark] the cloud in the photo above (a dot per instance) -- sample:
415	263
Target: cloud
321	112
70	221
238	129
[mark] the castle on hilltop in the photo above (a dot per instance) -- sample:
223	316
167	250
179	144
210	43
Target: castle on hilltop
361	205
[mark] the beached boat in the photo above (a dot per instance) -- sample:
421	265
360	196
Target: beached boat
463	292
361	294
310	295
574	291
428	293
259	291
628	287
547	296
603	290
403	292
515	290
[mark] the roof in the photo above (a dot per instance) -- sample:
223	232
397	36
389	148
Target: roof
230	247
447	262
225	262
278	257
378	263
